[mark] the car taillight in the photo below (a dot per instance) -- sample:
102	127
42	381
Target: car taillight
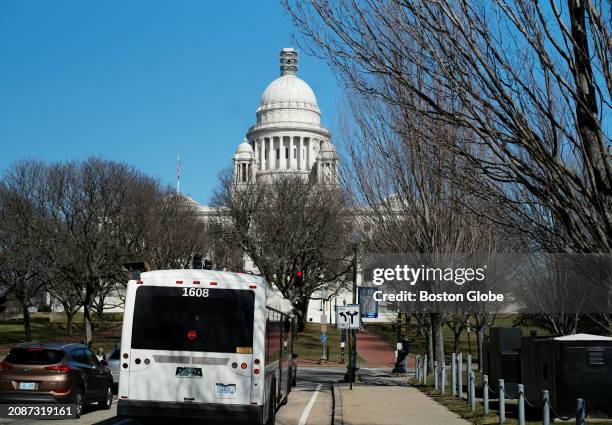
5	366
58	369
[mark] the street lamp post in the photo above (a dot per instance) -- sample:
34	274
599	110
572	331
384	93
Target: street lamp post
355	239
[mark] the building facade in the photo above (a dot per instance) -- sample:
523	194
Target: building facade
287	137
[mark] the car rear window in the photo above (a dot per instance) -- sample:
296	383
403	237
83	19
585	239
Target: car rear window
34	356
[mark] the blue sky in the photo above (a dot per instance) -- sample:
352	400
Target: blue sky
138	81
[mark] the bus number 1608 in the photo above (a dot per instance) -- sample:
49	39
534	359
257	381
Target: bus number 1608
195	292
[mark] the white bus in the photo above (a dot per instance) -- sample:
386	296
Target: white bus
205	344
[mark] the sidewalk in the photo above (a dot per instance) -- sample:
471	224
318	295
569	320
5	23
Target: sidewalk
376	351
392	405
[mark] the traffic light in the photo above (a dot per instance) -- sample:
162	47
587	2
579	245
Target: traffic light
299	279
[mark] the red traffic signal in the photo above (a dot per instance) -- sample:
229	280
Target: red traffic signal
299	278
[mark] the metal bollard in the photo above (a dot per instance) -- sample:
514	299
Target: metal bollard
418	368
472	387
468	369
580	411
425	369
545	408
435	375
521	404
453	374
460	376
443	383
485	394
502	402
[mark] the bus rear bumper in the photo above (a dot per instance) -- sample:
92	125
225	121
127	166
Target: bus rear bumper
213	411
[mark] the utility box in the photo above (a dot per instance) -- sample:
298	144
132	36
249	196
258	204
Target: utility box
502	358
569	367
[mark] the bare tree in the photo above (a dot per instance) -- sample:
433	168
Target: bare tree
91	208
286	225
527	83
23	270
69	297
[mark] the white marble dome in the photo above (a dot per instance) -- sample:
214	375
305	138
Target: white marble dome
288	99
244	151
291	90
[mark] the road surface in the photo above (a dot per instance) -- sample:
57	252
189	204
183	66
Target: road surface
310	403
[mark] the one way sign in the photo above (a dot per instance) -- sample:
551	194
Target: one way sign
349	317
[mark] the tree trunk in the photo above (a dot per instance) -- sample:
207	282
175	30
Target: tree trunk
87	316
457	337
480	336
26	321
430	339
301	309
436	321
69	319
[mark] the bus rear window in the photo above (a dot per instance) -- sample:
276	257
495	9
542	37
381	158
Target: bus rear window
167	318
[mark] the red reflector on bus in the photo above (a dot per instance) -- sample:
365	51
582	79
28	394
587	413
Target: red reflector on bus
139	282
179	282
256	371
253	286
191	335
124	397
213	283
243	365
196	282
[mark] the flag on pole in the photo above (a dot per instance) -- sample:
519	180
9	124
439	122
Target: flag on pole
178	173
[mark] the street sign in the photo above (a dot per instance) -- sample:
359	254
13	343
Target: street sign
348	317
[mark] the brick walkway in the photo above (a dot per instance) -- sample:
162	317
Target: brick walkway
376	351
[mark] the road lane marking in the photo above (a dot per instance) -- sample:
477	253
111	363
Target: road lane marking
311	403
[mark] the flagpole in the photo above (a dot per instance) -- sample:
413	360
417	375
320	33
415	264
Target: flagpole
178	173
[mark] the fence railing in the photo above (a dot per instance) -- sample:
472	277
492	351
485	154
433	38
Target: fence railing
488	392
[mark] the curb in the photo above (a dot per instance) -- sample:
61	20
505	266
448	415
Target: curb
336	406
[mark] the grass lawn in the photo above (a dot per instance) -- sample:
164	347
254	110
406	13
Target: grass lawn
106	336
308	344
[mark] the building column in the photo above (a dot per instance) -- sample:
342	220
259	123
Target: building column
291	159
300	160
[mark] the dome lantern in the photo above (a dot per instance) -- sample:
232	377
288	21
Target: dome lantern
288	61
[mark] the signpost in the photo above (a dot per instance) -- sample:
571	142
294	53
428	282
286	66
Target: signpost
348	317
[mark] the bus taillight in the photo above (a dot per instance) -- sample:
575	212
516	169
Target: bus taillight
191	335
257	361
253	286
256	371
243	365
179	282
213	283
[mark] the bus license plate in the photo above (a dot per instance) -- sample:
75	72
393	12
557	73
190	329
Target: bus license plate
26	385
225	391
188	372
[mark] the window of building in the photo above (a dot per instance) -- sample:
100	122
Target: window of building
294	153
277	153
286	153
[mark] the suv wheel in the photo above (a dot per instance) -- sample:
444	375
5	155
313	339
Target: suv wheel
77	400
107	401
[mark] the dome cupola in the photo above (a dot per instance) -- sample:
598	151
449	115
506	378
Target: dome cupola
288	98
